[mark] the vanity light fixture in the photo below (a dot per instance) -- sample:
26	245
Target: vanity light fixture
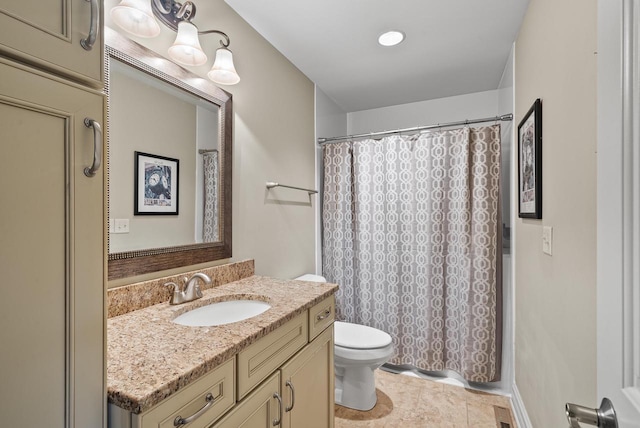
138	17
391	38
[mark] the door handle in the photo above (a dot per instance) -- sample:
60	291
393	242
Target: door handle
277	422
293	396
180	421
603	417
94	26
97	146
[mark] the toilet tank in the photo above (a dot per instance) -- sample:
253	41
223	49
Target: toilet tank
311	277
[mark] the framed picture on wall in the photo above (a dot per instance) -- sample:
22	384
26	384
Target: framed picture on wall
156	185
530	163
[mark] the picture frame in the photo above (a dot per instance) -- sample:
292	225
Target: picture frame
156	185
530	163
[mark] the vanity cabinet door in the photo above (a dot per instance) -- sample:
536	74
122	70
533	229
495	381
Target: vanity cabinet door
47	33
51	254
258	410
308	385
266	355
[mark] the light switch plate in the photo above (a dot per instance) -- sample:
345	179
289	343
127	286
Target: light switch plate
547	240
121	225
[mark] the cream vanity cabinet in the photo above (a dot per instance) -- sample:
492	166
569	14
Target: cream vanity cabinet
51	252
55	35
52	218
299	394
284	379
299	391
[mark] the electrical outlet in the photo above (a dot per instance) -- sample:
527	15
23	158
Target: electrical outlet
547	240
121	225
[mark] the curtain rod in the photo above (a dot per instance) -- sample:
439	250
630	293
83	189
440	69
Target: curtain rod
504	118
203	151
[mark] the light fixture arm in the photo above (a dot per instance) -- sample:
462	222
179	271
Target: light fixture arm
160	6
186	11
170	12
224	43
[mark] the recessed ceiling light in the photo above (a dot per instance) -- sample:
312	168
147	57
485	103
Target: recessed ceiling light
391	38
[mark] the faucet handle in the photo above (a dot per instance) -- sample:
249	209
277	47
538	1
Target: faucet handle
178	295
197	291
192	290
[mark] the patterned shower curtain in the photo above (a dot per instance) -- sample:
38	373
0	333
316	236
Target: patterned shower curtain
410	233
210	232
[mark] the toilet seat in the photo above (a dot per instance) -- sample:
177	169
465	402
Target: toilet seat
350	356
356	336
360	344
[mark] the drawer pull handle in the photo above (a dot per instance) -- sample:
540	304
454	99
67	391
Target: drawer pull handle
276	422
97	146
87	44
324	315
293	396
180	421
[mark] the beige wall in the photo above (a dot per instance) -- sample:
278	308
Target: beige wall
273	140
555	295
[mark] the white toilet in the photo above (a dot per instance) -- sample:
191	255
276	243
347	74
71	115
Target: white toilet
359	350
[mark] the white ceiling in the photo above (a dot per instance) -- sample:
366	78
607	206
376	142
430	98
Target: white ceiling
452	47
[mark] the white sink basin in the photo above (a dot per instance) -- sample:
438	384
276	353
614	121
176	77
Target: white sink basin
221	313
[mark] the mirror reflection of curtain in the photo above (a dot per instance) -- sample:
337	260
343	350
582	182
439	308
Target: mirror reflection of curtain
210	231
411	236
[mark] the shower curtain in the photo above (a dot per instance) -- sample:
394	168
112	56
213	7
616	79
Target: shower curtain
210	223
410	233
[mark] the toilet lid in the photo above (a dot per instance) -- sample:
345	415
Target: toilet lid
356	336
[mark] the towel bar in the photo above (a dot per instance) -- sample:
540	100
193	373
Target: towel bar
272	184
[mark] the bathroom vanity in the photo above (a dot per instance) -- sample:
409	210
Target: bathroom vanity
274	369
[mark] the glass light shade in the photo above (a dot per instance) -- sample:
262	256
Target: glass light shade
186	49
223	70
136	17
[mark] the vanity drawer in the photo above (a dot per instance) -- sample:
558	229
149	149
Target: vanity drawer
188	401
321	316
260	359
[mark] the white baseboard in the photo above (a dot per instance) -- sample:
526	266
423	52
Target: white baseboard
519	411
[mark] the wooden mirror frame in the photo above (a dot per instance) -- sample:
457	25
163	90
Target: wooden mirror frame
132	263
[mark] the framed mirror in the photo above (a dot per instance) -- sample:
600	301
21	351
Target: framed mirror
169	135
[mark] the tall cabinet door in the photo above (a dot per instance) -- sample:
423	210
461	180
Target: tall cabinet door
307	384
51	254
48	33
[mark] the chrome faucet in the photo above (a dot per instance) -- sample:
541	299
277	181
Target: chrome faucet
191	289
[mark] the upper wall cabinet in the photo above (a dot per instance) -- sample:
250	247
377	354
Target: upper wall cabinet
62	36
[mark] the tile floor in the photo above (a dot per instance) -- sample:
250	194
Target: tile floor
410	402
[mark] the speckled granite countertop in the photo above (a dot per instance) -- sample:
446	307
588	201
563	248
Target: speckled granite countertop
149	357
